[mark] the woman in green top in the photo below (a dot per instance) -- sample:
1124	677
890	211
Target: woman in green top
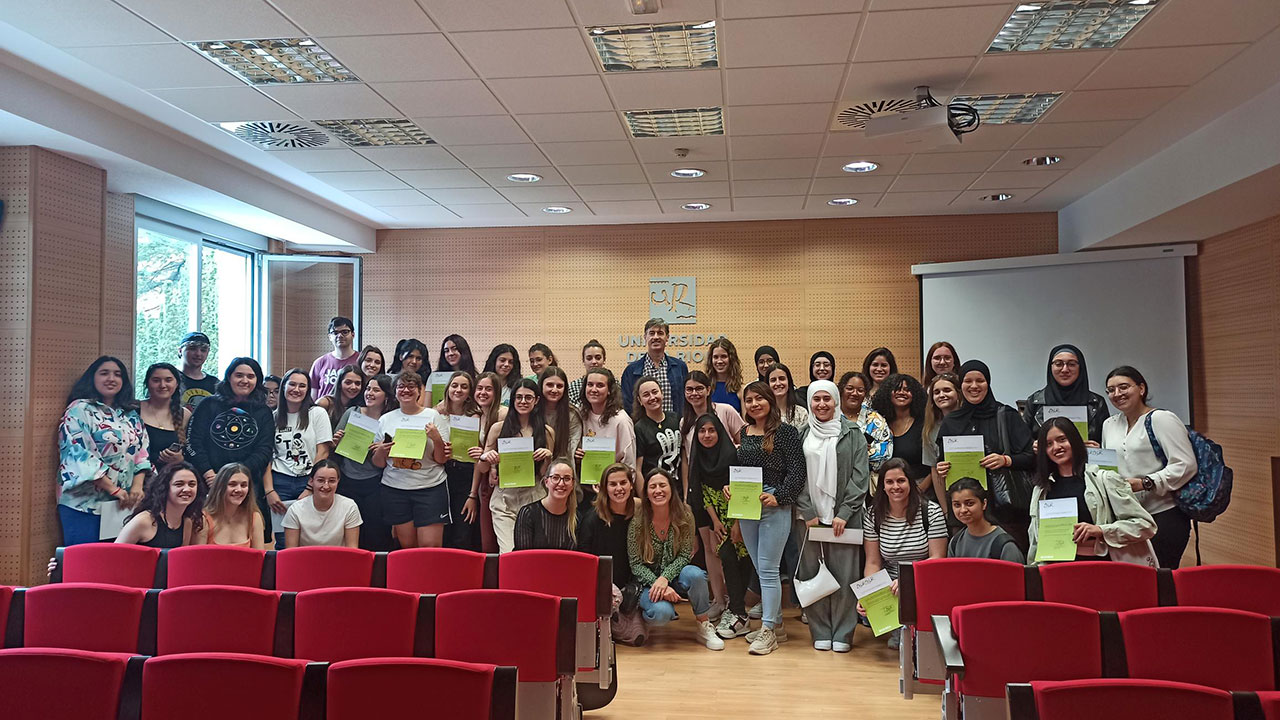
660	546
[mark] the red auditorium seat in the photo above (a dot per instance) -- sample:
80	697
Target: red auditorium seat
216	618
434	571
1270	702
1103	586
82	616
6	595
396	687
1224	649
221	686
1117	698
214	565
310	568
52	683
336	624
108	564
1239	587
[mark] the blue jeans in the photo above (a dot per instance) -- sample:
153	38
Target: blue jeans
78	527
691	584
765	538
288	487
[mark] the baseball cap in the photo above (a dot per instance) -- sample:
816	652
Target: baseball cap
195	337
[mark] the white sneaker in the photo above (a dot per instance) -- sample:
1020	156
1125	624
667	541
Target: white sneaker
779	633
707	634
716	611
822	644
804	618
840	647
764	643
732	626
755	611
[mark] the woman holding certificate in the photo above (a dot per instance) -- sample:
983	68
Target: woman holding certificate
459	419
516	448
303	438
488	394
1066	393
774	447
415	498
1101	517
361	478
603	416
834	494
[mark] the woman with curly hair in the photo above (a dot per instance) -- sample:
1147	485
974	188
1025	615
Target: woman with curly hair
171	512
901	401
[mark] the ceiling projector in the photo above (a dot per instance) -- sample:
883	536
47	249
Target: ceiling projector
929	125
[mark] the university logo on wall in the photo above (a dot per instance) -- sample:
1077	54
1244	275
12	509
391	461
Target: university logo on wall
674	299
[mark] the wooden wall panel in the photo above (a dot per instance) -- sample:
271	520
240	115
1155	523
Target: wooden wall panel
15	312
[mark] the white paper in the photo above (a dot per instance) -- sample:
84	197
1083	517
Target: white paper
740	473
112	517
599	443
1061	508
826	534
361	420
515	444
438	378
1074	413
872	583
963	443
464	422
277	521
1104	457
413	422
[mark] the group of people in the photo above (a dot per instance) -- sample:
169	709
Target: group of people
237	462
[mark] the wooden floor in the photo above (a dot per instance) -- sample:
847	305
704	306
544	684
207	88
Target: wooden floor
674	676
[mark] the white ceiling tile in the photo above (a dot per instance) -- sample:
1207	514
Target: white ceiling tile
150	67
690	191
851	184
1131	104
608	193
94	21
1031	72
1017	179
924	163
894	79
833	165
428	179
526	53
672	89
504	211
399	58
326	160
780	85
465	196
761	147
604	174
936	182
594	12
534	193
988	137
937	32
600	152
229	104
760	188
441	98
332	101
473	130
578	93
773	8
771	169
535	210
1071	158
917	4
363	180
1074	134
777	119
973	198
718	206
663	149
858	146
497	177
801	40
411	158
910	201
425	215
391	198
482	156
716	170
818	204
343	17
222	20
768	204
1156	67
566	127
455	15
625	207
1203	23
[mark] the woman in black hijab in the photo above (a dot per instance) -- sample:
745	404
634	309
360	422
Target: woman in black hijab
710	456
1067	383
826	370
765	356
1006	440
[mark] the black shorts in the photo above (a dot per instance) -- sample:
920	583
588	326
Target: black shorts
428	506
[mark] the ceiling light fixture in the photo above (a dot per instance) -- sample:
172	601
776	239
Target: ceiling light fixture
377	132
669	46
524	177
283	61
860	166
1069	24
696	206
1010	109
557	210
274	135
686	122
842	202
997	197
687	173
1042	160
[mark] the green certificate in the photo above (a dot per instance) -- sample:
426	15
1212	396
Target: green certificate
515	462
745	486
360	432
464	433
965	453
409	443
1057	520
438	382
1077	414
1104	458
876	595
598	453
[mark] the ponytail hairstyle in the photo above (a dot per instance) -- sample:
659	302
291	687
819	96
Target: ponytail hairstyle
880	504
175	401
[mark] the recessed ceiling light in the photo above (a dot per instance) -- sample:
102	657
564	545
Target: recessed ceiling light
378	132
1069	24
861	166
696	206
1042	160
523	177
686	173
997	197
1011	109
675	123
670	46
557	210
842	201
282	61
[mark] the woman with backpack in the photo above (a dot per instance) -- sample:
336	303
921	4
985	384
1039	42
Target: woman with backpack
1140	434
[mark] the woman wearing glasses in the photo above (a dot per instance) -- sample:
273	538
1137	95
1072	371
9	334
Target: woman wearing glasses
525	419
552	522
1067	384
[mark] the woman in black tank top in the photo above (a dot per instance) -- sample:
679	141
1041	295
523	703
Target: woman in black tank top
172	497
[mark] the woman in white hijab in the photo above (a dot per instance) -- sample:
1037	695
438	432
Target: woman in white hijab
835	451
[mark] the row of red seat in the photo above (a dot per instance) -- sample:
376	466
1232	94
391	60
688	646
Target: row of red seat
1136	700
43	683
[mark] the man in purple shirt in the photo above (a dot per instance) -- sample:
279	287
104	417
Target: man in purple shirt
324	371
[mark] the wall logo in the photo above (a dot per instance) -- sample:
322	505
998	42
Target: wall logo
674	299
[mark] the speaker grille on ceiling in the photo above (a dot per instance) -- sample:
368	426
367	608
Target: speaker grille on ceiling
278	135
856	116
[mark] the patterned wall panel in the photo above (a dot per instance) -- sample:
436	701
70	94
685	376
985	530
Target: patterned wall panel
15	279
119	277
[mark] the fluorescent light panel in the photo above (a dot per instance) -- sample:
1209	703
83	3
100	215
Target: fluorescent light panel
669	46
675	123
389	132
1069	24
1013	109
282	61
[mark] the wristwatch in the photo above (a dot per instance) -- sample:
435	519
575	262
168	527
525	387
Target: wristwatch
1148	484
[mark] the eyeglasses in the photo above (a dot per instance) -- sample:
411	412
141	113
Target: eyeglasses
560	479
340	333
525	399
1119	388
1060	364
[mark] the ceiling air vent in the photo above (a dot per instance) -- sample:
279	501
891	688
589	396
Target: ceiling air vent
855	117
272	135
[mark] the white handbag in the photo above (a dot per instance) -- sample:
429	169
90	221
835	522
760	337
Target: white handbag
822	584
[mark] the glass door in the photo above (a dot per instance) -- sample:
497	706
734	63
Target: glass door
300	294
